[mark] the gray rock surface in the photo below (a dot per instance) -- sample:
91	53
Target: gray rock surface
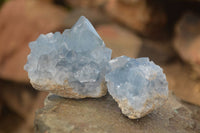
103	116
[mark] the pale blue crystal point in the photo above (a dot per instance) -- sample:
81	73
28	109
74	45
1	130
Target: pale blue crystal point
138	85
72	64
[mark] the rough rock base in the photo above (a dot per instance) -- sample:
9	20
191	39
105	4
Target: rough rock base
103	115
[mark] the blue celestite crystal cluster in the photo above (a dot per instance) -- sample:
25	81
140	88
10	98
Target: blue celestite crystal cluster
77	64
72	64
138	85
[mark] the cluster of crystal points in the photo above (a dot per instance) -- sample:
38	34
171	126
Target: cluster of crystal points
72	64
138	85
77	64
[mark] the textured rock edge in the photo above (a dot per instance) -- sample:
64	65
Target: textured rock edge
65	90
132	114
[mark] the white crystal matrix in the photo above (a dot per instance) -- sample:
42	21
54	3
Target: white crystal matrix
138	85
72	64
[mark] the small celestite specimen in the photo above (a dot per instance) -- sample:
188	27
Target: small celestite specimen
138	85
72	64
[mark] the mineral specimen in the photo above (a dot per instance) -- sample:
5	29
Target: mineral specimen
138	85
72	64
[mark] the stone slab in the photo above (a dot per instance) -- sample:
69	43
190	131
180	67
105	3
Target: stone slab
103	116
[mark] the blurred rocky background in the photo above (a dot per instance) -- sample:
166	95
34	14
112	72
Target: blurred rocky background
167	31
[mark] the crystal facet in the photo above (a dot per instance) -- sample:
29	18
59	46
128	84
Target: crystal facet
138	85
72	64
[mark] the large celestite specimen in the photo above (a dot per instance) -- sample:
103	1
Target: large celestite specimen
138	85
72	64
